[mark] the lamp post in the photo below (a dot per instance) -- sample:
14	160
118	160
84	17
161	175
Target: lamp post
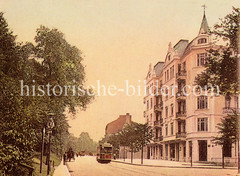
50	126
41	162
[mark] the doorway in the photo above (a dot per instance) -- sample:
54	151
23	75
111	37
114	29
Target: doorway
202	145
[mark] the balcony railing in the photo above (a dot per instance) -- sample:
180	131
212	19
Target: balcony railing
181	74
158	107
157	139
158	122
181	135
230	110
181	114
180	95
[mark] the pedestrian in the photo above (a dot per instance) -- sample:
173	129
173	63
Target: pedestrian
64	158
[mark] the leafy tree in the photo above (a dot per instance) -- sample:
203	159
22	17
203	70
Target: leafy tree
228	132
144	136
134	135
17	133
51	60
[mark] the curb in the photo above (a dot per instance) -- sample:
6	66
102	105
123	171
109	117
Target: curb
196	167
65	168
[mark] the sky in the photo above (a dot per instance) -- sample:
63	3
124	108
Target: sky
118	39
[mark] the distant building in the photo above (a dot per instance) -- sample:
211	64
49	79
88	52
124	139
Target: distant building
118	124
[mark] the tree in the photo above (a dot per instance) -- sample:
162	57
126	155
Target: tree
17	133
145	135
135	136
227	133
221	64
51	60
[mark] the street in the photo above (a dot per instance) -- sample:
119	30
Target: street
88	166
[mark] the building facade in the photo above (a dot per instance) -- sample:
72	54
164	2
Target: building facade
184	119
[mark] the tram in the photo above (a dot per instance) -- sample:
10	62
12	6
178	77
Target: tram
104	153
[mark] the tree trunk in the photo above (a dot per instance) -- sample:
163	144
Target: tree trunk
222	158
142	155
124	153
131	156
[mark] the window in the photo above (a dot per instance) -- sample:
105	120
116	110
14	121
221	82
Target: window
172	109
184	66
147	105
169	57
202	102
166	108
157	116
166	93
202	40
157	100
236	102
151	103
166	127
227	101
172	90
167	74
203	124
171	128
201	59
172	72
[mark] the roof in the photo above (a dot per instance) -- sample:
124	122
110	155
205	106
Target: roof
181	46
204	28
118	124
158	68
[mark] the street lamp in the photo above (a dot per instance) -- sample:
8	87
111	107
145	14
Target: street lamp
41	162
50	126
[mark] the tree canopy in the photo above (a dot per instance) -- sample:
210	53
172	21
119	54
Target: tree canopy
50	60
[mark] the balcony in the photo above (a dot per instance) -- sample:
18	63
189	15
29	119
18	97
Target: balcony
181	115
181	135
144	100
144	114
180	96
158	122
181	74
230	110
158	107
158	139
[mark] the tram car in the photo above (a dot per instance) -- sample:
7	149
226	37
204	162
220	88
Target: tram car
104	153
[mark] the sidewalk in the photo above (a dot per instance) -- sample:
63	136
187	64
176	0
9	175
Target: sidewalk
173	164
61	170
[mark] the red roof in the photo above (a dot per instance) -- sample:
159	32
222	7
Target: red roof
118	124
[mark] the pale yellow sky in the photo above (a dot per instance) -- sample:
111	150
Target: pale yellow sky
119	39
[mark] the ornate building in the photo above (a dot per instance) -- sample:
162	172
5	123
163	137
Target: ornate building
184	123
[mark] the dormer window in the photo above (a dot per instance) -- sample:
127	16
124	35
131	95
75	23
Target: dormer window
202	40
169	57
